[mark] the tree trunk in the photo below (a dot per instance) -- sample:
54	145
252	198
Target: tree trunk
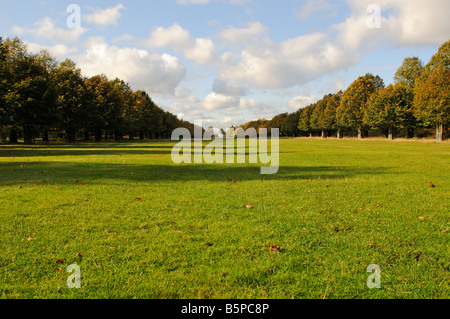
360	134
28	134
45	136
440	133
411	132
339	134
13	136
324	134
141	135
391	133
98	135
71	135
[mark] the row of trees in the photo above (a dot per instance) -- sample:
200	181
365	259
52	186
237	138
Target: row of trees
418	98
39	96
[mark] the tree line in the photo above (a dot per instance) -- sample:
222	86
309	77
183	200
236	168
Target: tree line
40	96
419	98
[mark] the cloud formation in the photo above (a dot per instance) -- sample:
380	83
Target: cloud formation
158	74
200	50
104	17
45	29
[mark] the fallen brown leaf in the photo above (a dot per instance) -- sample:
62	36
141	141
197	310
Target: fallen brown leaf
250	206
30	238
274	248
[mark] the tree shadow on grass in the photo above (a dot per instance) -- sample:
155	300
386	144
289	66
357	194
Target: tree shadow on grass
85	150
96	173
101	149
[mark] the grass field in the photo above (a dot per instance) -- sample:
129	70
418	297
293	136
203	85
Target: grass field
334	208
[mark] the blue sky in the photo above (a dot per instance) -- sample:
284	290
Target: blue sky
227	62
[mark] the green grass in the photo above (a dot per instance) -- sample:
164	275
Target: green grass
335	207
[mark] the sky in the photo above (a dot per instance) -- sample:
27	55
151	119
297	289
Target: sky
227	62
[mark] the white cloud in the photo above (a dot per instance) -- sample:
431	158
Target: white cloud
193	1
59	51
105	17
200	50
403	23
292	62
215	101
234	2
174	36
157	74
224	87
46	29
237	36
124	38
300	102
313	6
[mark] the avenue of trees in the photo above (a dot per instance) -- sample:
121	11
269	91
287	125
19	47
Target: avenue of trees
40	97
43	98
418	99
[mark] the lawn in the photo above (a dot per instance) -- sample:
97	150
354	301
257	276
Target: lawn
139	226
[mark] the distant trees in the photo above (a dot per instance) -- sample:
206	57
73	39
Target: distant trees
38	95
419	97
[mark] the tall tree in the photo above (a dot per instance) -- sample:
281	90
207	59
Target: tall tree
72	110
317	116
277	122
410	70
441	58
389	109
28	86
407	75
350	113
428	108
304	120
121	97
3	82
97	90
432	100
290	124
328	120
